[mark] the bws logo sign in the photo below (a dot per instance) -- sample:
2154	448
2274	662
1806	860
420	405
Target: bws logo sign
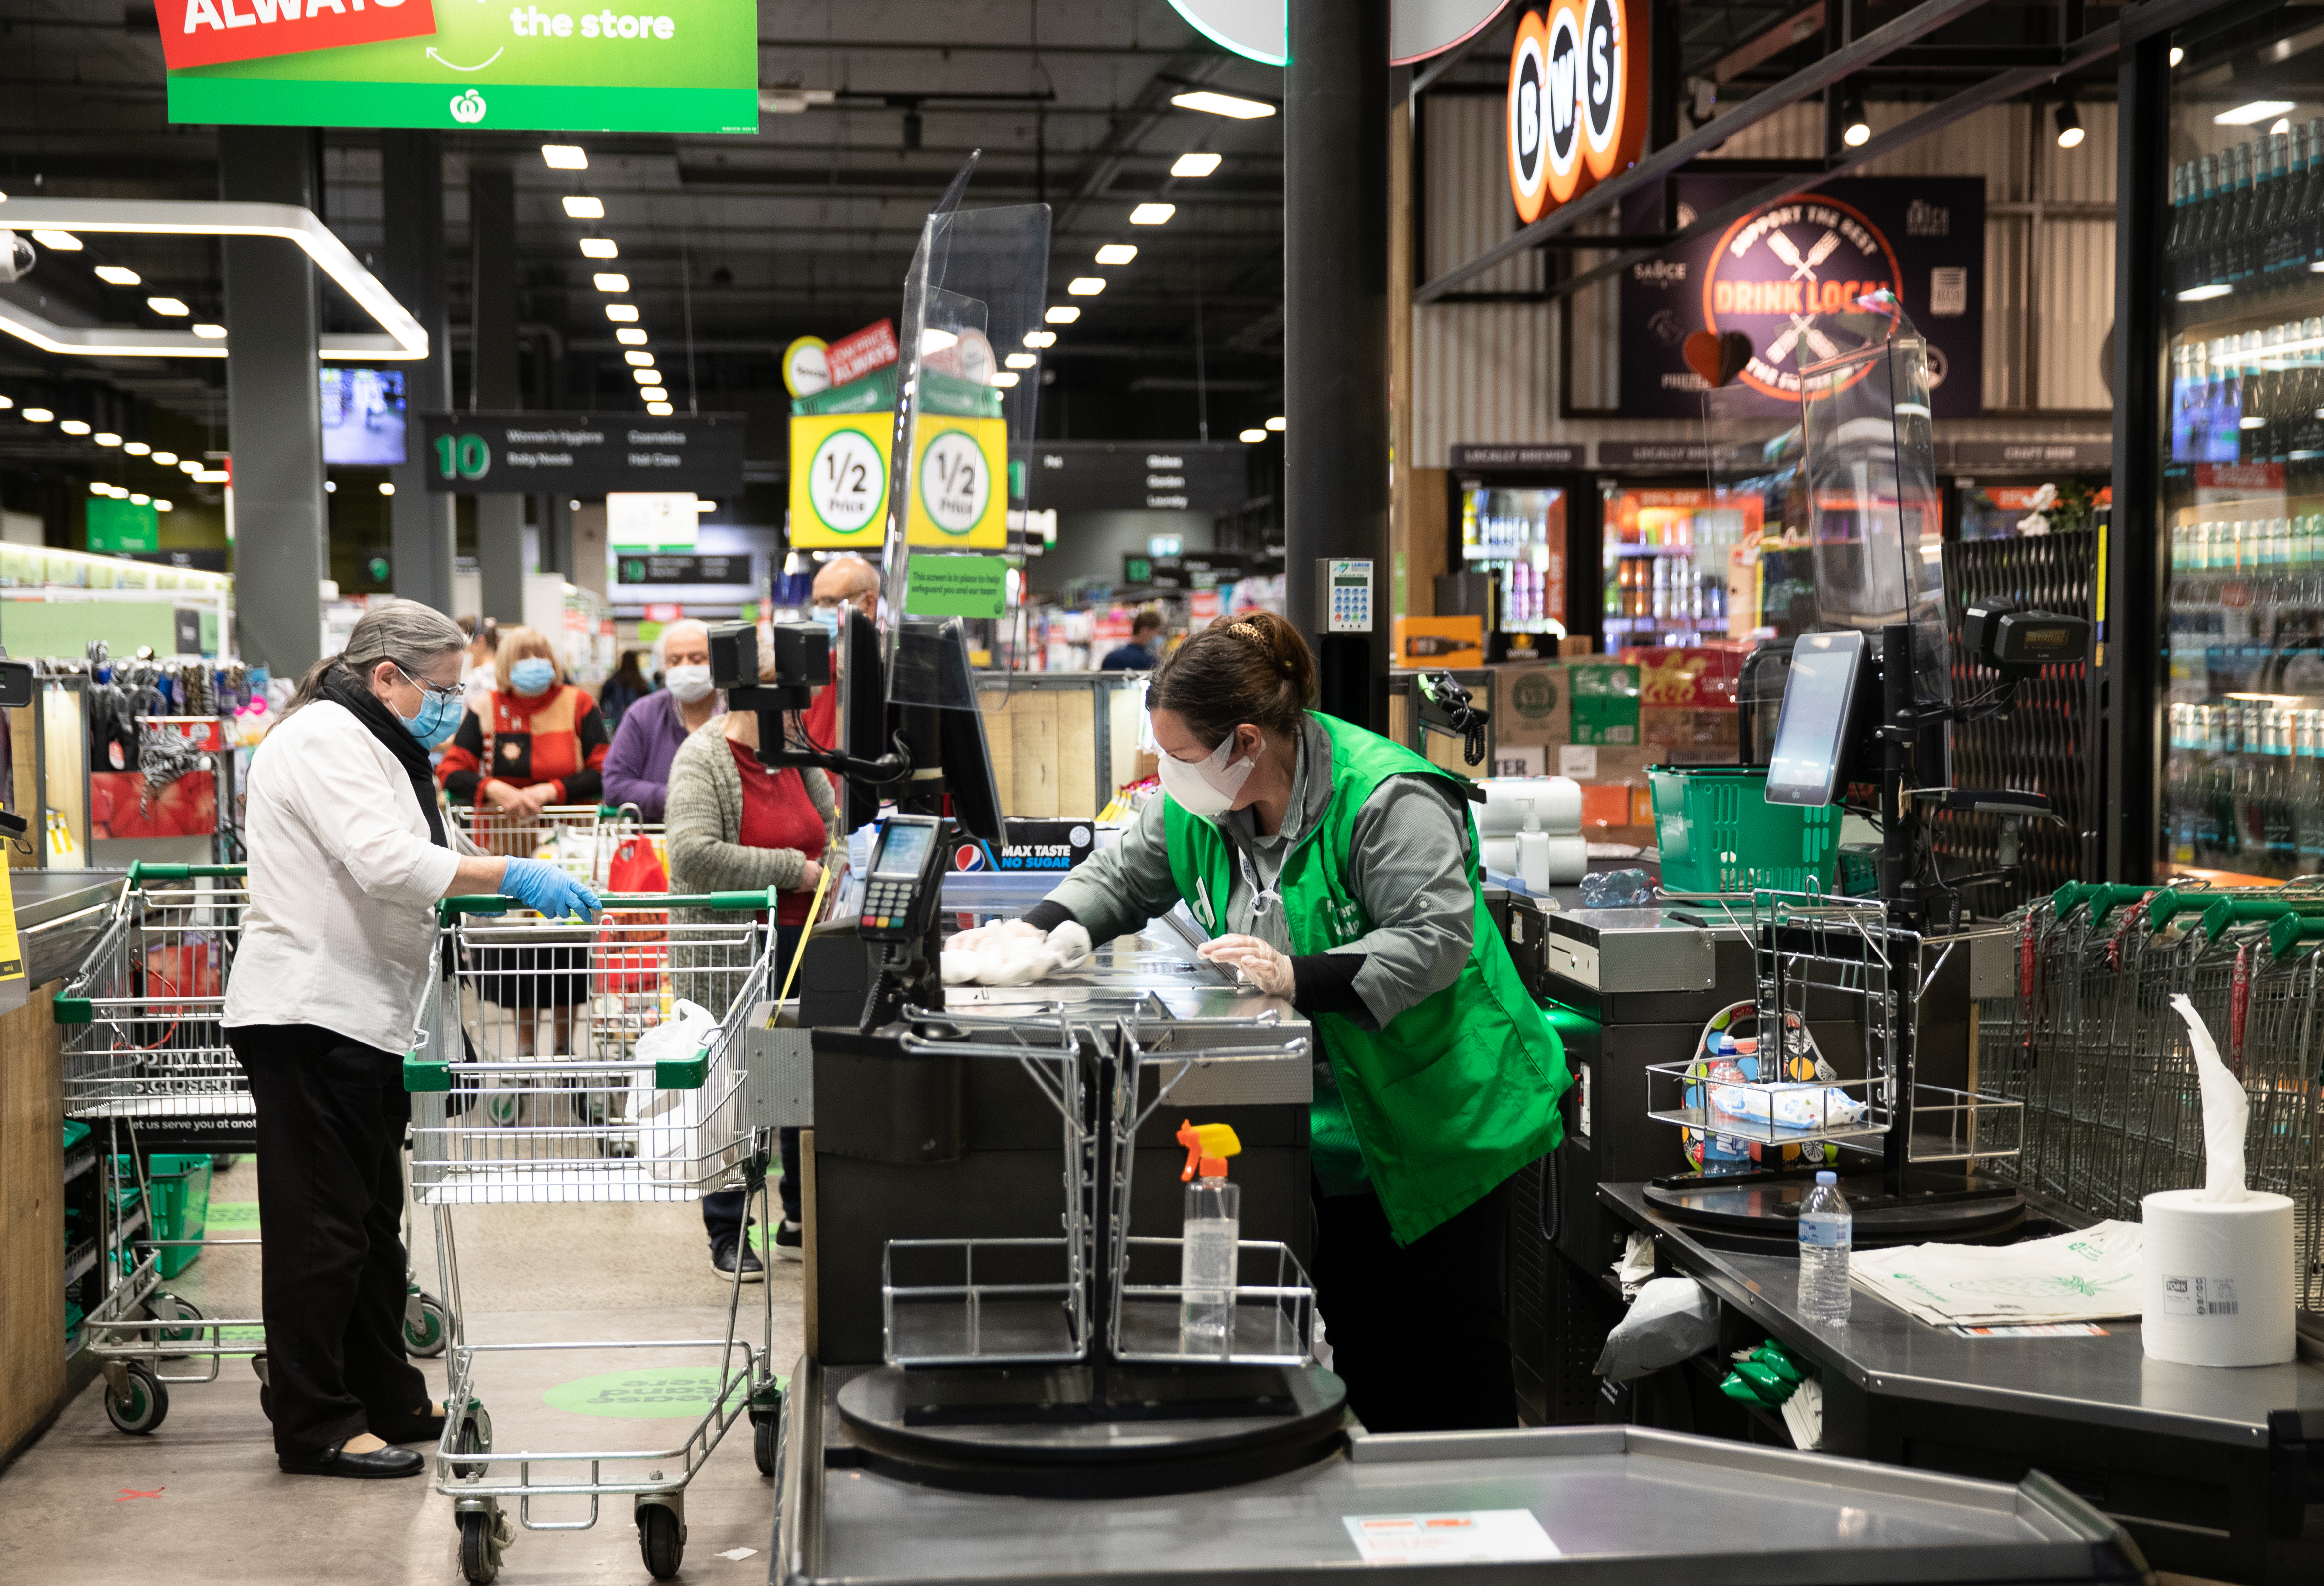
1577	101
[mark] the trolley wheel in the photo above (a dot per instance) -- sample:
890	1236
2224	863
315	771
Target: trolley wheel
764	1436
424	1334
662	1540
480	1560
142	1404
163	1305
475	1437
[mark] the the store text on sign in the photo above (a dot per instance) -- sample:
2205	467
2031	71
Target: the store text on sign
1577	101
852	357
208	32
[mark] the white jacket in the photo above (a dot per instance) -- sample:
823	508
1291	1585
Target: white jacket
341	930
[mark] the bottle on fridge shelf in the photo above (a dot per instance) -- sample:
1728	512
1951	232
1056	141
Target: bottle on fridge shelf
2307	235
1827	1235
2174	245
1207	1265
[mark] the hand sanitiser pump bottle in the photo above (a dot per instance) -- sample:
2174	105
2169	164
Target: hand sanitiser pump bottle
1206	1270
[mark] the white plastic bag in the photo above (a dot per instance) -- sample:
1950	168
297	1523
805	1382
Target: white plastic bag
666	1120
1673	1319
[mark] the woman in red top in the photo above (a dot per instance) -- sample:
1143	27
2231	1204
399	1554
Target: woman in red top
536	740
735	825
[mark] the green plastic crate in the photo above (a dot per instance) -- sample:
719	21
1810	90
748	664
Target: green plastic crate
1718	833
181	1205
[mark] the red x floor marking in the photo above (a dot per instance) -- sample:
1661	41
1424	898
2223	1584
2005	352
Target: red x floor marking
129	1492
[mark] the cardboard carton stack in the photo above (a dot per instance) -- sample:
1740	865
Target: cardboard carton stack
1603	720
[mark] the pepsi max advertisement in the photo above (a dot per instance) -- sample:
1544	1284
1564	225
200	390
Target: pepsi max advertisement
1056	846
1771	274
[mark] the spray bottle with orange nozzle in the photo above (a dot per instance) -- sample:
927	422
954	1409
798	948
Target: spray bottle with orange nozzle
1207	1266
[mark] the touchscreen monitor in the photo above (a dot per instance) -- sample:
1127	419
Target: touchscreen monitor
1809	762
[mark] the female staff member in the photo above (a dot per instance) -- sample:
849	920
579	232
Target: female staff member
349	854
1339	871
737	826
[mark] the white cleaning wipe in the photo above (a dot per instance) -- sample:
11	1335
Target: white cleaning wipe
992	959
2227	1111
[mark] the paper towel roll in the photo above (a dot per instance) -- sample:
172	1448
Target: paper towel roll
1557	801
2216	1279
1568	859
1501	855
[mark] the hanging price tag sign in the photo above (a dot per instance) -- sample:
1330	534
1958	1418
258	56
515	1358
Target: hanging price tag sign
839	480
959	484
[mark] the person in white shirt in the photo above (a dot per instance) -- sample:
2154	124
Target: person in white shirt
349	854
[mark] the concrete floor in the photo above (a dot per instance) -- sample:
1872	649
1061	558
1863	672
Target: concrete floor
200	1500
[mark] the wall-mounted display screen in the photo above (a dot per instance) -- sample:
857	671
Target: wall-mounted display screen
363	417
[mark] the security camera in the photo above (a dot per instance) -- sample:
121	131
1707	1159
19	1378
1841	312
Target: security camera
16	258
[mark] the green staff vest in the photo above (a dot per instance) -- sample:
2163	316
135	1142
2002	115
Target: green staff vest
1458	1090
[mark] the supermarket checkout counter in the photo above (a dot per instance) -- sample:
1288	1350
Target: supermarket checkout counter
59	913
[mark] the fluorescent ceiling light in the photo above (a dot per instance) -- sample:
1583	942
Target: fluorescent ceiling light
61	242
793	101
1254	436
581	207
5	404
118	492
2205	293
639	360
171	306
139	498
646	376
2177	55
1117	253
1276	424
1004	381
403	338
659	409
621	313
1023	360
106	437
612	283
38	416
166	459
1062	314
1231	104
1040	338
599	247
704	506
1087	286
164	506
1194	164
330	487
653	394
117	275
189	467
137	448
387	487
210	332
1152	214
631	338
99	487
565	156
2257	110
73	427
214	477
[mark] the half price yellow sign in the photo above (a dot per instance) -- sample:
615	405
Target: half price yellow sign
839	480
959	484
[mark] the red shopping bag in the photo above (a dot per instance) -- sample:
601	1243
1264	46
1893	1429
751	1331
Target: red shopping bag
635	867
632	953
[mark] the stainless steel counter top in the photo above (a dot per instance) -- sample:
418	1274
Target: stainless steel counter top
58	912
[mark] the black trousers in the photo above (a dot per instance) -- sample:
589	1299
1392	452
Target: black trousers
724	1211
331	1113
1417	1330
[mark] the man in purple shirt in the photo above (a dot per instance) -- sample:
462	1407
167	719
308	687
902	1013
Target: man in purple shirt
637	767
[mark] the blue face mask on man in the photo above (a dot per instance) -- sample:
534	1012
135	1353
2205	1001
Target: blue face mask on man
439	717
532	676
829	618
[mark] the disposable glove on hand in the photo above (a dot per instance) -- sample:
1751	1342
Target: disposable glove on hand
1260	964
1012	953
548	890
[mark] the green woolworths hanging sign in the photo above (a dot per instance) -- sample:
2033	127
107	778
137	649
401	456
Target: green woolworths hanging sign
667	65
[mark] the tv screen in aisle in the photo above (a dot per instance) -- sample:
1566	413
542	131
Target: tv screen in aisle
363	417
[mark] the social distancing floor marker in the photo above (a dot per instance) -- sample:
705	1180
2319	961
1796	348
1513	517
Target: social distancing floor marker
129	1492
649	1393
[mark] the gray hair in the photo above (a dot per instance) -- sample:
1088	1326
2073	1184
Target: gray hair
400	631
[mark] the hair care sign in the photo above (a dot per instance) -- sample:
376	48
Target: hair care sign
1772	274
1577	101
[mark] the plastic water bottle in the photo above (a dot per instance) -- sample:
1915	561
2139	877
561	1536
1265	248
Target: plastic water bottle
1827	1233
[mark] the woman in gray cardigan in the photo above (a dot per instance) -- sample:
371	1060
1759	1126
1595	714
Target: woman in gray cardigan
725	815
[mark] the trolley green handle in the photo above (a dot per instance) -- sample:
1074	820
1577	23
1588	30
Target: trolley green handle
2234	911
493	903
2103	897
2288	931
2172	901
140	871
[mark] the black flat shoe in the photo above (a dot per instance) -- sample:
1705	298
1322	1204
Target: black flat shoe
379	1464
426	1428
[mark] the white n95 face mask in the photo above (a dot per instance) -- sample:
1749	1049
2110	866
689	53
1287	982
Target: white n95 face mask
689	684
1209	786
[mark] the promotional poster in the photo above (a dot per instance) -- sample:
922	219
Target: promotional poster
1772	272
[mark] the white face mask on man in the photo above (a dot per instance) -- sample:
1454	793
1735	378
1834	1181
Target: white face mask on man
688	684
1209	786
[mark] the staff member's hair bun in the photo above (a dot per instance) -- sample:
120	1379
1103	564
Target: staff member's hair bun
1250	667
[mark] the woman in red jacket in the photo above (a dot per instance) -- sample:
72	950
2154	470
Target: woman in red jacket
540	741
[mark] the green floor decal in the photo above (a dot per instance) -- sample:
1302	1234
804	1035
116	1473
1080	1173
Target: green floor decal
652	1393
235	1214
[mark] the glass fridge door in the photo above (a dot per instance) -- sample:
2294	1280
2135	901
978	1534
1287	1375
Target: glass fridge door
1517	534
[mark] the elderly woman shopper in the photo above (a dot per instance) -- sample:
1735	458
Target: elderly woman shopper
732	826
637	770
348	854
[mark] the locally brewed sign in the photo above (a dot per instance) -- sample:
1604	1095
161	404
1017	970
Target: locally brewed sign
581	453
1517	457
1162	477
1776	271
1577	101
693	569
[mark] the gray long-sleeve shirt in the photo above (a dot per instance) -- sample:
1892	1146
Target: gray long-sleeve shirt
1407	866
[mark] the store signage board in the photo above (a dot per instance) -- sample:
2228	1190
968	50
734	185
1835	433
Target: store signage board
957	586
1772	272
852	356
581	453
959	484
839	480
1129	475
807	367
122	526
1416	29
1652	454
1517	457
682	570
691	68
1577	100
2008	456
651	519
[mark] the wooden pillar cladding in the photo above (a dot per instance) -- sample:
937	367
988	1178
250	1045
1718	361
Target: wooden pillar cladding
32	1221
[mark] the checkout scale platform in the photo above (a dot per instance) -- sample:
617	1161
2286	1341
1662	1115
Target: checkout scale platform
1123	1459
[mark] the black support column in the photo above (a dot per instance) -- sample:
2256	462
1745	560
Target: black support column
500	517
274	405
412	171
1335	443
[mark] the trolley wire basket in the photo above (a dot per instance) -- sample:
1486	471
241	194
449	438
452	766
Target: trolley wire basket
564	835
560	1063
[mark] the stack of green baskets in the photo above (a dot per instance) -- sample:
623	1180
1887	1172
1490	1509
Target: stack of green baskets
1718	833
182	1205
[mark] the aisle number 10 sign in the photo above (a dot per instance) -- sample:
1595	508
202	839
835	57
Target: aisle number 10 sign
1577	101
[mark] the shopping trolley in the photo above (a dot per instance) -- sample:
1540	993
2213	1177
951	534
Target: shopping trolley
147	1067
631	1100
564	835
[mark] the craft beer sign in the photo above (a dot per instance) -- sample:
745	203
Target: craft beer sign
1577	109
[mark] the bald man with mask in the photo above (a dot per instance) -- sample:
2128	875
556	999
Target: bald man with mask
637	767
842	582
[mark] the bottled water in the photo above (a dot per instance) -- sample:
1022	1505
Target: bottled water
1827	1232
1206	1269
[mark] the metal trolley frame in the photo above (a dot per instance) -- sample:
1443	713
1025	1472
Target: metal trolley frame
597	1122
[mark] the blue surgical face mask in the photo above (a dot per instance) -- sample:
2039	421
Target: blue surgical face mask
532	674
438	718
830	621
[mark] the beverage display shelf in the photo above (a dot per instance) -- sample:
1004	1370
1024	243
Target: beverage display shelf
2234	314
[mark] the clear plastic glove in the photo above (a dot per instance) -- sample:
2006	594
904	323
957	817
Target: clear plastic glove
1071	942
548	890
1258	964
